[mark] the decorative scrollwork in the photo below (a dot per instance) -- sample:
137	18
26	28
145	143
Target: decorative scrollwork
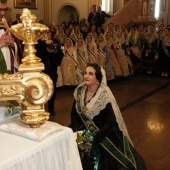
29	86
11	90
39	92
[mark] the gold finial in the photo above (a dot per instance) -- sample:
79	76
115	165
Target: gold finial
29	32
30	86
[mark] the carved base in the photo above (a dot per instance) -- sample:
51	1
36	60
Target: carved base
34	118
29	68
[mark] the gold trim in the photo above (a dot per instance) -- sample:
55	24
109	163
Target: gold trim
30	86
25	4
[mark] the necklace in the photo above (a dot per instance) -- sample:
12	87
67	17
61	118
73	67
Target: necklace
89	95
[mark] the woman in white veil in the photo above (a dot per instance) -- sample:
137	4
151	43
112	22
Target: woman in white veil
92	49
104	143
70	68
82	54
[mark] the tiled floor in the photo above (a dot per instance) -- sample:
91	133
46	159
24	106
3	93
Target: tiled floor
145	105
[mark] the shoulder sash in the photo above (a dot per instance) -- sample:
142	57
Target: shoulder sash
127	159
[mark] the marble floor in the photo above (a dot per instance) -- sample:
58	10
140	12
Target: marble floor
145	105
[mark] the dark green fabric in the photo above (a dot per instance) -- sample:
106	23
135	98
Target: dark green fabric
126	159
3	67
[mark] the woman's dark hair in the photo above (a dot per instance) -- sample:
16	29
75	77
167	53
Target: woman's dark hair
98	71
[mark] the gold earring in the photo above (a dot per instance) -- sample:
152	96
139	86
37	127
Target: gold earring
97	82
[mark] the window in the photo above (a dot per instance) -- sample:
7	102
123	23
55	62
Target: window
106	5
157	8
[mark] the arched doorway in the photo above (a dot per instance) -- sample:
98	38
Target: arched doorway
65	11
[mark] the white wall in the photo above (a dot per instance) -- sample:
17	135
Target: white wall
56	5
39	12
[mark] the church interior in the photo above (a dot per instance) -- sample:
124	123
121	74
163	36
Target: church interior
143	99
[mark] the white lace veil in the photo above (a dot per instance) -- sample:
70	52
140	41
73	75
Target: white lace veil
118	115
135	37
103	43
115	106
84	47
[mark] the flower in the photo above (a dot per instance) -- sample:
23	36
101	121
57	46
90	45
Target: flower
84	142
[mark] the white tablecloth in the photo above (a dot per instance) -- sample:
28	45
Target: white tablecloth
56	152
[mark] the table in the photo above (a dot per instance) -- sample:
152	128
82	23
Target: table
56	152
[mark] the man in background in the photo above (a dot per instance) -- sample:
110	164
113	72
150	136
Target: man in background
93	17
50	52
18	20
101	16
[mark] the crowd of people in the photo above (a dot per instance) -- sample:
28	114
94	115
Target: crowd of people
121	51
88	55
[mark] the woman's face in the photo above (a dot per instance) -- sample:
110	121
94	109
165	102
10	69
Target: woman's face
90	76
117	27
152	28
89	39
99	30
161	27
100	38
68	43
132	30
76	29
110	27
123	27
119	34
60	29
108	35
70	27
67	32
79	42
93	28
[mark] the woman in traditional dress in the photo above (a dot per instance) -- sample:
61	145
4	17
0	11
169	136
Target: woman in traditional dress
93	32
133	44
92	49
70	69
100	30
82	54
161	31
60	35
112	55
120	46
102	136
110	28
148	62
117	28
103	50
75	34
142	34
124	30
164	54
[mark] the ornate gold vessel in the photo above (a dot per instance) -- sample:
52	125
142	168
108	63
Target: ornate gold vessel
29	86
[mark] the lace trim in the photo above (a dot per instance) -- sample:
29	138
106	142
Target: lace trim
96	104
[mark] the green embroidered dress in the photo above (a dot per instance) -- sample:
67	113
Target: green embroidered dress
99	110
